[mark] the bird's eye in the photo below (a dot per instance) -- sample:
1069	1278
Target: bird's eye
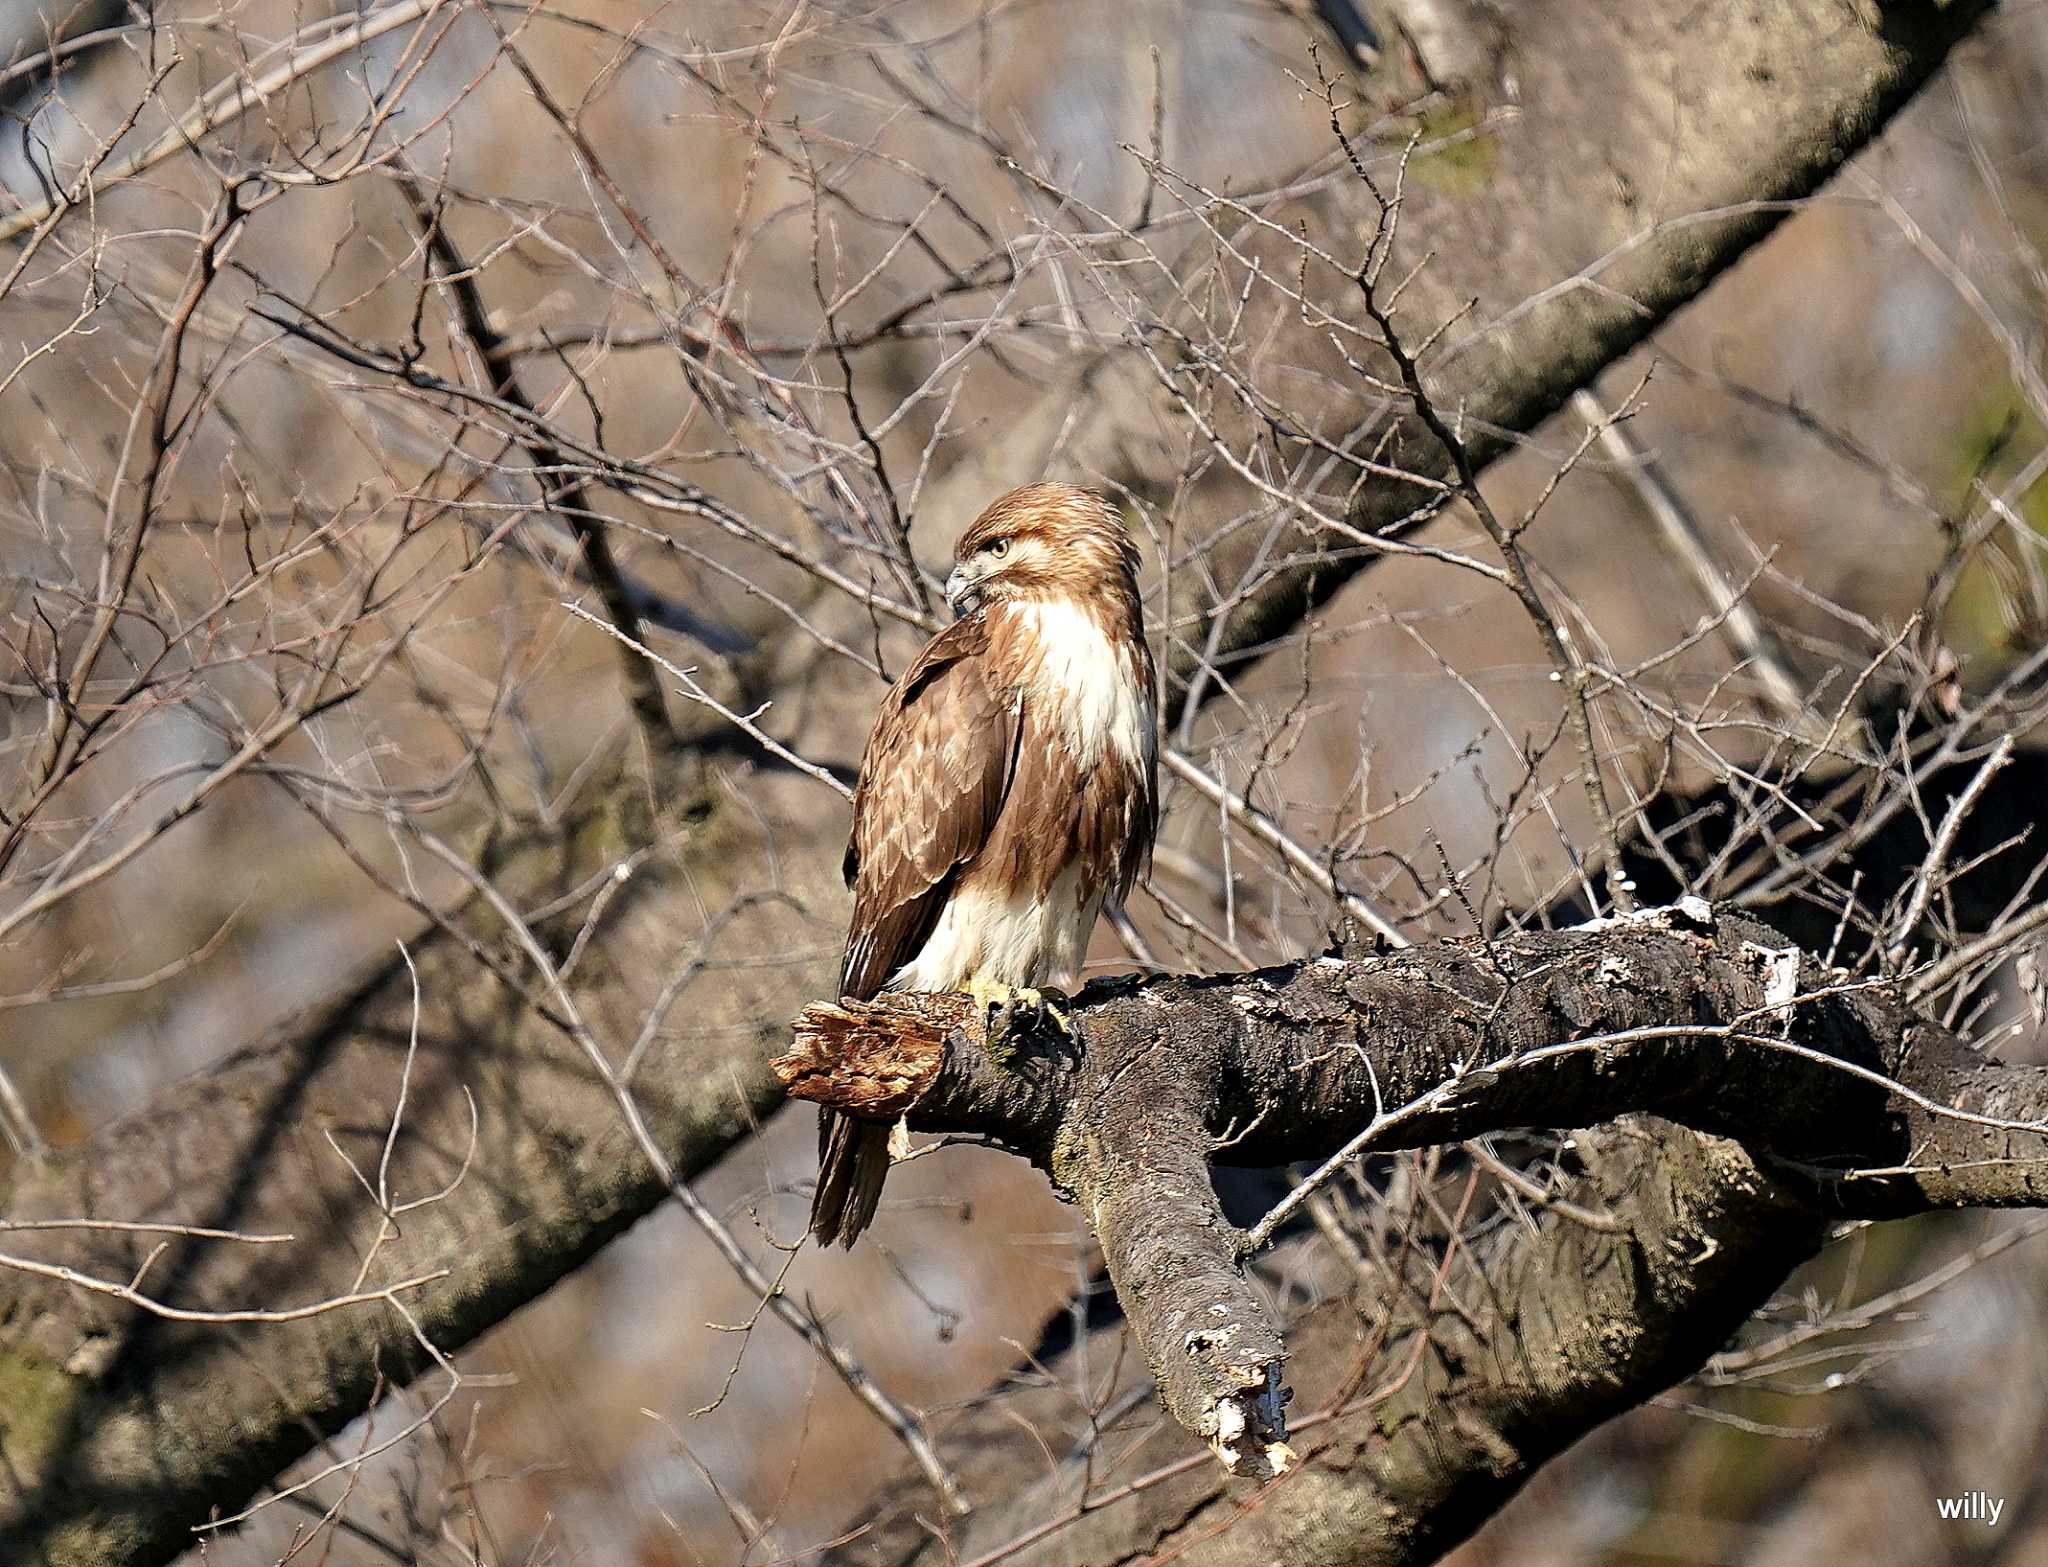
998	547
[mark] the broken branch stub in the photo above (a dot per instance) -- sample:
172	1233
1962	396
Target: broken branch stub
1131	1147
870	1059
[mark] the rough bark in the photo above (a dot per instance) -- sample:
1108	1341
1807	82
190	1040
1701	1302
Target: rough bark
1604	1321
120	1432
1829	1106
1580	1327
1432	1045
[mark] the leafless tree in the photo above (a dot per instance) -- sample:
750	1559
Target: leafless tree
468	468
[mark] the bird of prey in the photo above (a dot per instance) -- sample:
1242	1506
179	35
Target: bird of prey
1008	790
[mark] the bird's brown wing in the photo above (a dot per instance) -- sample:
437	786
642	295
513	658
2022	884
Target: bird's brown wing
933	779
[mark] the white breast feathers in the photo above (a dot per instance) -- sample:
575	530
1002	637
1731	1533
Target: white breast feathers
1095	692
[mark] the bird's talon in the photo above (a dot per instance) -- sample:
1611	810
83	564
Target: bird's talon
1010	1011
1054	1007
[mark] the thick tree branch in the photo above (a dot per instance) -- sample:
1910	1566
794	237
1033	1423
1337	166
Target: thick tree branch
1714	1022
1405	1452
1824	1098
1580	1326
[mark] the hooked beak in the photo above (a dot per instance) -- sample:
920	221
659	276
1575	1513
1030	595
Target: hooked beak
963	592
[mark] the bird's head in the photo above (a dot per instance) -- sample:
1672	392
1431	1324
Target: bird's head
1043	541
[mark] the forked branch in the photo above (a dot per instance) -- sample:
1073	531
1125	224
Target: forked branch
1851	1101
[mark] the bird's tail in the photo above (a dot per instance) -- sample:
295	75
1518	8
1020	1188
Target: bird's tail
853	1161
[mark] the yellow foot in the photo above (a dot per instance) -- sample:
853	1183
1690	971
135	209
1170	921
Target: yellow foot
1007	1007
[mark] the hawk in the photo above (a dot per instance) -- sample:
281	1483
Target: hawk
1009	789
